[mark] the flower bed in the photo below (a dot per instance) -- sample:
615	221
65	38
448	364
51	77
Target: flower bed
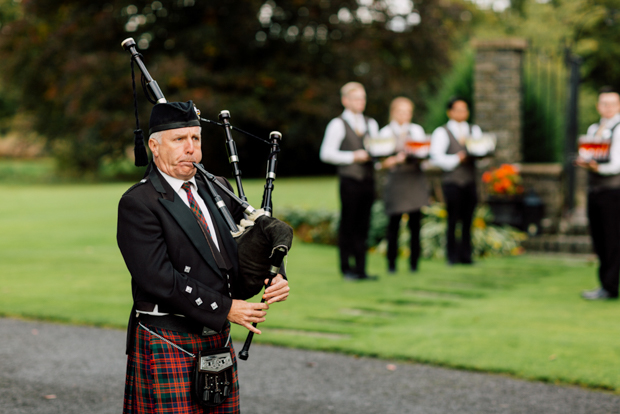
321	226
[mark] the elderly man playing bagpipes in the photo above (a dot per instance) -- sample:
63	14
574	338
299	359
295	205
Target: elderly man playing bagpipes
187	274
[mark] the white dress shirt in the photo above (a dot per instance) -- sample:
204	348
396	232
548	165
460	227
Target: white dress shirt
613	166
394	129
176	185
334	135
440	141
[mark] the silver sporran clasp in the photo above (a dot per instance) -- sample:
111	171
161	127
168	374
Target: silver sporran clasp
215	363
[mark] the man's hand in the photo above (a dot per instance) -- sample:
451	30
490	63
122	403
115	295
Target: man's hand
278	291
360	156
588	165
394	160
462	155
246	313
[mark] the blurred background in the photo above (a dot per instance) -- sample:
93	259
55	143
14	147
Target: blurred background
65	84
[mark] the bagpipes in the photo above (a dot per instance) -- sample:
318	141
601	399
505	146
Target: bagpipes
262	240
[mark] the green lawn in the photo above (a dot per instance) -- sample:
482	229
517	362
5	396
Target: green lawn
518	315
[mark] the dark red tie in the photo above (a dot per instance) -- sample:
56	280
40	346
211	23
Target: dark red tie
193	204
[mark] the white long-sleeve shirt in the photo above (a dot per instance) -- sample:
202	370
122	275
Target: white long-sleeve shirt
613	166
440	141
416	132
334	135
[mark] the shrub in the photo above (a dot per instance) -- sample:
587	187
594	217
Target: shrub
487	239
312	226
321	226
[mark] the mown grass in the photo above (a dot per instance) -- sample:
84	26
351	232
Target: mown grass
518	315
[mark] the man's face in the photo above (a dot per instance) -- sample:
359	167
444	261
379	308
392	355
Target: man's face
176	152
402	113
608	104
355	101
459	111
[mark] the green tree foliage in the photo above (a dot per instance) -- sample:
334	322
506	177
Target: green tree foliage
273	65
597	41
9	11
590	27
459	82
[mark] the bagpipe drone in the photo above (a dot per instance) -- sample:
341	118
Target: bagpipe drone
262	240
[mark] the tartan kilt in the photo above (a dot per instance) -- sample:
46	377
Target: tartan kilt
158	379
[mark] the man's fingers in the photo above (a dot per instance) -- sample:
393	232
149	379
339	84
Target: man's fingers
280	298
257	314
255	319
253	329
256	306
276	290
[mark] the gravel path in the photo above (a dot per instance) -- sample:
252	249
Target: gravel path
49	368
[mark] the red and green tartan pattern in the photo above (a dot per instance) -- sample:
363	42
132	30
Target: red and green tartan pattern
158	377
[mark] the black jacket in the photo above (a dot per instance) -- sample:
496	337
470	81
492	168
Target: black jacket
168	256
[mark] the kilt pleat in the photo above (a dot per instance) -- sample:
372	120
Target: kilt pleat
158	379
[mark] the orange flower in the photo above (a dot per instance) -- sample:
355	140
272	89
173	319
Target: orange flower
503	180
510	169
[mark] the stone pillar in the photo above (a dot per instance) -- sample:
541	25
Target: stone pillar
498	94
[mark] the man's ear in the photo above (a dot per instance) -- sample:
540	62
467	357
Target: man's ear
154	146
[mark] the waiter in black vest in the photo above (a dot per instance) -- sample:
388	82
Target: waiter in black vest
343	145
449	153
604	196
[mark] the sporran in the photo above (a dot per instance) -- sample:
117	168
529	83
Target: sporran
213	375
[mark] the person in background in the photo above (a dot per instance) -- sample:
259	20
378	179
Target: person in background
343	145
406	189
604	196
448	152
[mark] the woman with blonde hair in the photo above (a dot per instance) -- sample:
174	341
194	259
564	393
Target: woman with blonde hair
406	189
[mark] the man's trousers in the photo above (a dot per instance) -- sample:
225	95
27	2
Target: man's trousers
460	203
604	217
356	198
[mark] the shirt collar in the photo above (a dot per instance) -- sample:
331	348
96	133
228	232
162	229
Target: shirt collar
175	183
452	122
611	121
349	115
398	127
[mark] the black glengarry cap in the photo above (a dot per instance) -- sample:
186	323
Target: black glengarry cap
172	115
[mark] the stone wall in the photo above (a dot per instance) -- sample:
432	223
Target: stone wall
498	94
546	180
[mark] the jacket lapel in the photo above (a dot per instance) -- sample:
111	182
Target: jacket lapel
227	242
184	217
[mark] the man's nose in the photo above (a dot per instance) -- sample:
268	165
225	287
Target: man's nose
189	147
